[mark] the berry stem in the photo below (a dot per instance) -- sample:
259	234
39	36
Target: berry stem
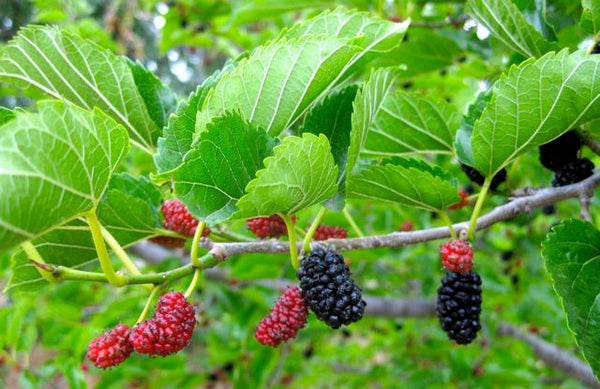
448	222
194	284
292	237
122	255
148	304
107	267
196	242
32	253
352	223
311	231
478	206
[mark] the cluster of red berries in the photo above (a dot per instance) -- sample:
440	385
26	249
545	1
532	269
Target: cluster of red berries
287	317
178	219
324	232
457	255
169	331
268	227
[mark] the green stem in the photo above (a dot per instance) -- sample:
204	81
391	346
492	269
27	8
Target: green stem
146	309
96	229
352	223
196	242
311	231
292	237
478	206
299	232
193	284
169	233
32	253
448	222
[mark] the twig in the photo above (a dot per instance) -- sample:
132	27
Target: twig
553	356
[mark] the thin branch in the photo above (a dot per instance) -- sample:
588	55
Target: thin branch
553	356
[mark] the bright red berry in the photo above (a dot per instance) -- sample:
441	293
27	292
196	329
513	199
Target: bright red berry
407	225
457	256
284	321
168	241
169	331
268	227
324	232
177	218
464	200
112	348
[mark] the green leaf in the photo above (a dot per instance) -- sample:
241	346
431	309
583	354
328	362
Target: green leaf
216	171
407	123
590	17
333	118
300	173
6	115
535	103
249	11
278	82
572	254
366	108
179	132
160	100
73	69
56	163
404	181
507	24
462	142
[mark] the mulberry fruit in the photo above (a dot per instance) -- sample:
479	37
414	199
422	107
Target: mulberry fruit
459	305
463	202
178	219
327	286
478	178
457	255
268	227
573	172
112	348
287	317
169	331
559	152
324	232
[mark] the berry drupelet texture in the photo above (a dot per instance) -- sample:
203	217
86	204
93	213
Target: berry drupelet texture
287	317
324	232
459	305
562	150
457	255
178	219
169	331
573	172
112	348
268	227
327	286
478	178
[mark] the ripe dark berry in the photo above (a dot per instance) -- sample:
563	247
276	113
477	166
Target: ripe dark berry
178	219
324	232
459	305
573	172
284	321
562	150
327	286
470	189
112	348
596	49
457	255
268	227
169	331
478	179
168	241
507	255
549	209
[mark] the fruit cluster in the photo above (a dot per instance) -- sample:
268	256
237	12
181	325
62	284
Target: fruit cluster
268	227
287	317
478	178
324	232
178	219
562	157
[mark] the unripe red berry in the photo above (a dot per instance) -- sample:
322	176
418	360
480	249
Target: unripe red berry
324	232
112	348
464	200
284	321
457	256
268	227
178	219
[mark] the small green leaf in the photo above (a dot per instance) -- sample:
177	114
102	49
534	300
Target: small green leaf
73	69
216	171
249	11
160	100
590	16
404	181
462	142
56	163
277	83
6	115
572	254
536	102
300	173
407	123
506	23
333	118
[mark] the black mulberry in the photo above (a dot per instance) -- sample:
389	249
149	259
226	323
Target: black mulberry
572	172
329	290
459	305
559	152
478	178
